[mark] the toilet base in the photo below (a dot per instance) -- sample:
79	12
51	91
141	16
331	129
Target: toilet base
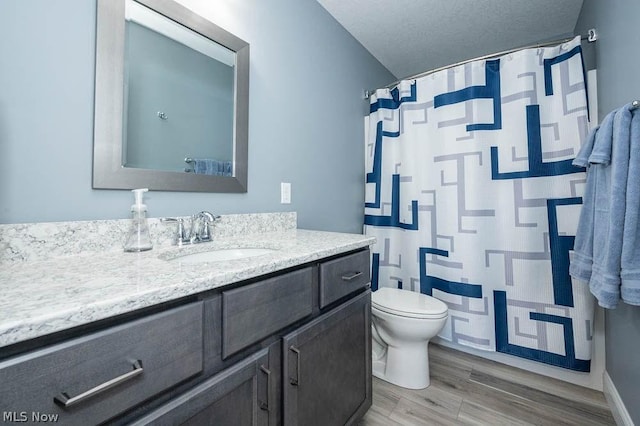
407	367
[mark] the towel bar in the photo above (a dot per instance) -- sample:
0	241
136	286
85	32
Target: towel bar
635	104
191	168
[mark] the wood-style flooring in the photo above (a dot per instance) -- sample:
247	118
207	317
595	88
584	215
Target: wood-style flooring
468	390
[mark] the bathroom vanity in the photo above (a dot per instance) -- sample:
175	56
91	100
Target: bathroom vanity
282	338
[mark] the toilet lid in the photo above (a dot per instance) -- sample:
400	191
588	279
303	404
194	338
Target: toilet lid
408	303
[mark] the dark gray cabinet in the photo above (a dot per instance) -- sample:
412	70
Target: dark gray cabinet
327	367
305	335
242	395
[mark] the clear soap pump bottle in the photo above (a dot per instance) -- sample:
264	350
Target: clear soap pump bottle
138	238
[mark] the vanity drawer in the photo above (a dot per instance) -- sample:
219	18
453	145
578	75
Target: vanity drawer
101	375
342	276
253	312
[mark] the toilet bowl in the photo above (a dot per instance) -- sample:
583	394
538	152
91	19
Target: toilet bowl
402	323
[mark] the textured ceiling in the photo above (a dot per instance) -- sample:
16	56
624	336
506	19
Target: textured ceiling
413	36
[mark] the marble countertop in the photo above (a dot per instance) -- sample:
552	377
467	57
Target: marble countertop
44	296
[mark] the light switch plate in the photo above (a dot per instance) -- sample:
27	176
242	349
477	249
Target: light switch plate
285	193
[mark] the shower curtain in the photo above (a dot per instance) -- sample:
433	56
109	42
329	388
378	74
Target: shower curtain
473	199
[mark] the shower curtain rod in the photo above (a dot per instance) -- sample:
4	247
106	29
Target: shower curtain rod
591	37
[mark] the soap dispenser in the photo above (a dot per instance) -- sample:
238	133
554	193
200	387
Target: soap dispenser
138	238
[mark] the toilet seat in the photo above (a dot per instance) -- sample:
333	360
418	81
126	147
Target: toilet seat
408	304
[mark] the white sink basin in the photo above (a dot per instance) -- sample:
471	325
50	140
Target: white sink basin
222	255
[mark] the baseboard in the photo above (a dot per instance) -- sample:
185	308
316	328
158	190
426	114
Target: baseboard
618	409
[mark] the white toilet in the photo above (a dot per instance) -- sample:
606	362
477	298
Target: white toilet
403	322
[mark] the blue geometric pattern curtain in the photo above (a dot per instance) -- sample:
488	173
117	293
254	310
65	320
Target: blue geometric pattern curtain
473	199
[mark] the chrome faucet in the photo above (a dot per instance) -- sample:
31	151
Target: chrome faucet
198	232
201	227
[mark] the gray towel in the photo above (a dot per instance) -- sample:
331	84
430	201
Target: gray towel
598	247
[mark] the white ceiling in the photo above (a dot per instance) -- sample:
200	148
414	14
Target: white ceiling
413	36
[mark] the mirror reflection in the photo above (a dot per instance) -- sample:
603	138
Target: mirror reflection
178	97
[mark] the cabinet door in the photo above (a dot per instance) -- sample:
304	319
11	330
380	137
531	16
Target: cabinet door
244	394
327	367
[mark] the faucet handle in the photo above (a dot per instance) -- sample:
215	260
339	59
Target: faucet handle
181	235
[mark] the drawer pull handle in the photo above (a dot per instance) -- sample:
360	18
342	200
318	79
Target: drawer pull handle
351	276
65	401
295	381
264	405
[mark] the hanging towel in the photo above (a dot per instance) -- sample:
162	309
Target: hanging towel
582	259
582	256
598	247
208	166
630	275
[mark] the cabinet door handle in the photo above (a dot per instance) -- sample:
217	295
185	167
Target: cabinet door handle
264	405
351	276
295	381
65	401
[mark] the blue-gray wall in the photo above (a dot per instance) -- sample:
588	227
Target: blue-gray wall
306	107
618	65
